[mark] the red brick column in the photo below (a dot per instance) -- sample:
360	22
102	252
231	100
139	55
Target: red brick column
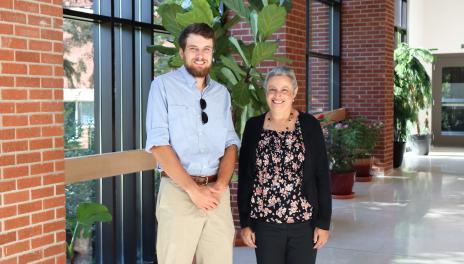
32	200
367	40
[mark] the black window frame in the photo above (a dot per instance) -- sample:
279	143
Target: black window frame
130	237
401	21
333	57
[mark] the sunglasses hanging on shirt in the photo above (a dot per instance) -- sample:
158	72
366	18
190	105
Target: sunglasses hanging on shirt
204	116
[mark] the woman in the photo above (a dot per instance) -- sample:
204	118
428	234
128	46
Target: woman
284	188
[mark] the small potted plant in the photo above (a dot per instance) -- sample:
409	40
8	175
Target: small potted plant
341	145
367	133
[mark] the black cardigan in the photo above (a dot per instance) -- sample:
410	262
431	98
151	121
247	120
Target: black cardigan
316	180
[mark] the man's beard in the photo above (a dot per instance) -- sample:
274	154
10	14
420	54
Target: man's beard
195	72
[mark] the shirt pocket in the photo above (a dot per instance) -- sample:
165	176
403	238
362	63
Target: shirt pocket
181	126
217	131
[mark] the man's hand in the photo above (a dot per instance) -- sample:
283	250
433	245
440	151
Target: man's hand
203	198
217	190
248	237
321	237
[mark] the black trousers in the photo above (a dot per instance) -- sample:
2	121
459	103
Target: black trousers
284	243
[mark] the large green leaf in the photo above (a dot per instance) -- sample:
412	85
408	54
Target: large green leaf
168	14
229	76
232	64
263	51
199	13
241	94
90	213
270	19
162	49
254	24
238	7
239	49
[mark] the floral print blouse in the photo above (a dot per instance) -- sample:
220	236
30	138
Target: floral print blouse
277	189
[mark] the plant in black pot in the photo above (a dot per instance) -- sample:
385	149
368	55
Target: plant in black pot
341	145
412	92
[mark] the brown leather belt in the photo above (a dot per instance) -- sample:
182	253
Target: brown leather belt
200	180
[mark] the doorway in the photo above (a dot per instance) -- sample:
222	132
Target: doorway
448	100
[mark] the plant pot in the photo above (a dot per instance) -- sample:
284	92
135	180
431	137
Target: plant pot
342	184
362	167
398	153
420	144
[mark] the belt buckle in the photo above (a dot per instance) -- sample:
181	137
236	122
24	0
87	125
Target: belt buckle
206	180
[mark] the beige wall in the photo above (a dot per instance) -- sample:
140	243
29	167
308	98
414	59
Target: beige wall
436	24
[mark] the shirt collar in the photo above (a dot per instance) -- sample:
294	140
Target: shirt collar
191	81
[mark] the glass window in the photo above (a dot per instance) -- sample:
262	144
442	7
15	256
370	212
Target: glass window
107	78
320	28
401	21
323	18
78	88
79	5
319	84
452	101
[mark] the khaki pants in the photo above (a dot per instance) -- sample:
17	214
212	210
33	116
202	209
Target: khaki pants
185	231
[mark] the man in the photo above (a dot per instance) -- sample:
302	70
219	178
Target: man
191	135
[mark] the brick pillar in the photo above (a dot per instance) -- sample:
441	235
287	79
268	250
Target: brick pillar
367	40
32	200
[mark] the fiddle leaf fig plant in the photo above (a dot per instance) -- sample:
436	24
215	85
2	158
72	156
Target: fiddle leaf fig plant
241	77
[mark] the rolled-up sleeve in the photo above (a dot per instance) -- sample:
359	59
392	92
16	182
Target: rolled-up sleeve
231	138
157	116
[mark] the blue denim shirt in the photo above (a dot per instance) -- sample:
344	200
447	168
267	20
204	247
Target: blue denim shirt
174	118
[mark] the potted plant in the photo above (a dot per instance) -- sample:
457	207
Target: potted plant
341	143
366	136
412	92
241	76
80	242
420	142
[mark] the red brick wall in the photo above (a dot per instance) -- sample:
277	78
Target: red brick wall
367	41
32	201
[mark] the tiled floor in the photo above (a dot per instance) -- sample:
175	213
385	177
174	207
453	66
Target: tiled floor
413	215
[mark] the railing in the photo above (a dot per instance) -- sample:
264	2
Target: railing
92	167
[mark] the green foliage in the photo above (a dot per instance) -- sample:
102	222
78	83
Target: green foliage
366	135
241	78
412	87
270	19
341	142
87	215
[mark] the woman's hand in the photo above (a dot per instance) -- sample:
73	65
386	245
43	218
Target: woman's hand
320	237
248	237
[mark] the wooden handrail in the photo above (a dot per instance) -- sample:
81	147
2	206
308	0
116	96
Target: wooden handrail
93	167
